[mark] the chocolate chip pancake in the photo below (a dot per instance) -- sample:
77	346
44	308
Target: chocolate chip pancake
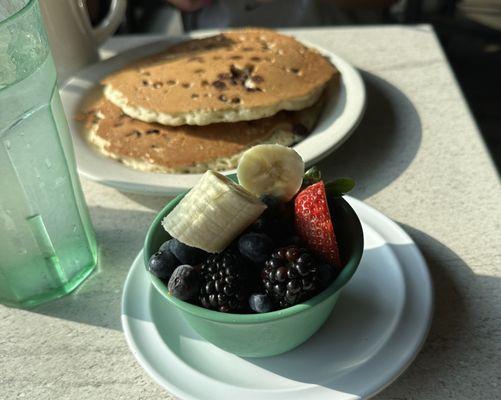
189	149
239	75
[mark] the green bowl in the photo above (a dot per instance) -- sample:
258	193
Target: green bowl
267	334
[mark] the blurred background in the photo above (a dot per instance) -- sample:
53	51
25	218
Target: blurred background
469	31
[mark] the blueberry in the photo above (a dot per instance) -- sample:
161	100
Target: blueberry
326	273
186	254
255	246
184	282
162	264
260	303
165	246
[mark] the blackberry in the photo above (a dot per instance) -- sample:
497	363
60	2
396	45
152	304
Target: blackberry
290	276
226	282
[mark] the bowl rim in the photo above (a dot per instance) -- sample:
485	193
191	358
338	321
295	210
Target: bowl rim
212	315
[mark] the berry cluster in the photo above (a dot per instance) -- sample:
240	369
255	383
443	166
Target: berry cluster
268	267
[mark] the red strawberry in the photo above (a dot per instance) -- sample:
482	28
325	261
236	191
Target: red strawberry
313	223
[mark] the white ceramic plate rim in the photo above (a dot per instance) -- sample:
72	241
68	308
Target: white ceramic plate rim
418	294
339	118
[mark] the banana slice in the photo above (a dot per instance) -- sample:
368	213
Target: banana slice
213	213
271	169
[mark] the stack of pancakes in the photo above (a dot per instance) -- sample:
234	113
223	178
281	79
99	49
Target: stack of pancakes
199	104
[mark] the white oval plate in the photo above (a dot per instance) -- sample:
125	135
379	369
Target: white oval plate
376	330
340	116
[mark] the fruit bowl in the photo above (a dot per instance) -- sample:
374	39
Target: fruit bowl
275	332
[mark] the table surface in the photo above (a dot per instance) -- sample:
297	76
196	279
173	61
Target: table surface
417	156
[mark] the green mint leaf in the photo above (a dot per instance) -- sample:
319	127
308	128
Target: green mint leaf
313	175
339	186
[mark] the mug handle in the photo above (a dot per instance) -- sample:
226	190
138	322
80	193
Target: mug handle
110	24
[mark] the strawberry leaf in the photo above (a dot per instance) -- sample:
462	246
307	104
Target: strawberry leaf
313	175
339	186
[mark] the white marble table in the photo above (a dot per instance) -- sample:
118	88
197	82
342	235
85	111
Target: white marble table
417	156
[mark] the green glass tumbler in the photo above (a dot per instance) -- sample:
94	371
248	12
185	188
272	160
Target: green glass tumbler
47	244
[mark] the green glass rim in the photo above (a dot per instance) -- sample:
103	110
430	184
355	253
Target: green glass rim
19	12
200	312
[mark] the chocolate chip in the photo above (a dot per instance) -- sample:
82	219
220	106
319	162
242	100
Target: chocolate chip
299	129
223	98
235	100
153	131
235	72
219	85
145	83
185	85
243	76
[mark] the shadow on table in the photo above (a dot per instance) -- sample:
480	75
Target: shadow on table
455	329
450	336
383	145
98	300
154	203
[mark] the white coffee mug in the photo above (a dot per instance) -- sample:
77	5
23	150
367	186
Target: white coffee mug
73	40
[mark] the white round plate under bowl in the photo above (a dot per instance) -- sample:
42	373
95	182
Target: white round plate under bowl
342	112
375	331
